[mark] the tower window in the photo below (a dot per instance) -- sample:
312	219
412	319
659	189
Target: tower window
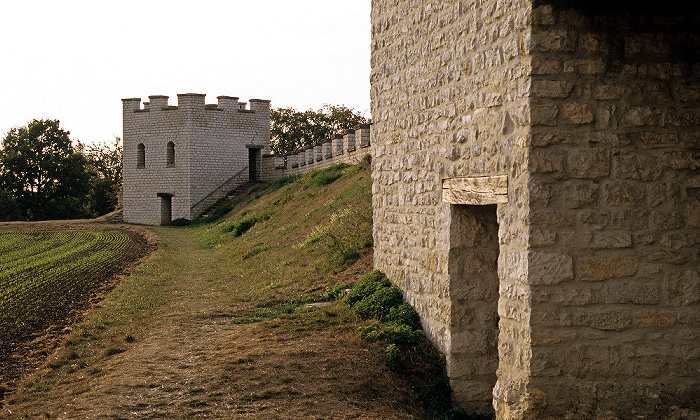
170	154
140	156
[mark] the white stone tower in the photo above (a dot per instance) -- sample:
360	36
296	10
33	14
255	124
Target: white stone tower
178	160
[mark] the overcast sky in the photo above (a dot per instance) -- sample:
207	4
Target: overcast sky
75	60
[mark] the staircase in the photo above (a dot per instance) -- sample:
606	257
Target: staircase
220	193
227	198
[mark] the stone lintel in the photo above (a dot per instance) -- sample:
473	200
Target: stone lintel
477	191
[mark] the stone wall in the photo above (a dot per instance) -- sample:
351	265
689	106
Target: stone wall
211	144
615	153
349	148
593	117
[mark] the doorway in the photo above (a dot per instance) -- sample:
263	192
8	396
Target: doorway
166	208
253	160
473	273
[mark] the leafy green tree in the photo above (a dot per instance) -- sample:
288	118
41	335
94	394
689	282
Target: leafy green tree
9	210
105	167
43	172
292	129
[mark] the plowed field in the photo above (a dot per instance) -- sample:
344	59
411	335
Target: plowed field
48	276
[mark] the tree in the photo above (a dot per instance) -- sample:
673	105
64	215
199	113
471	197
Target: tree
42	171
9	210
105	167
292	129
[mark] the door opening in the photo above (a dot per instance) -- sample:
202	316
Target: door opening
473	272
253	154
166	208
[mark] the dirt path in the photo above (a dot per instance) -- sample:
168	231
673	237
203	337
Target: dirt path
163	346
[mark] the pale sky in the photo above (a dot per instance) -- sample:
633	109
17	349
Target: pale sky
75	60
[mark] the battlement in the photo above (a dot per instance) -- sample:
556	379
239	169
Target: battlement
349	147
193	102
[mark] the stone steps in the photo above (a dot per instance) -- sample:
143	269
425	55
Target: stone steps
227	198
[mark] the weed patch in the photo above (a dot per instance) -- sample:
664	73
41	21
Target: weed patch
407	352
244	225
273	308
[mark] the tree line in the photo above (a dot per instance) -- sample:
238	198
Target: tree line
291	129
44	175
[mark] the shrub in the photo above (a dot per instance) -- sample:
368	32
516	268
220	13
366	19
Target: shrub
367	286
280	182
379	303
402	334
243	226
392	333
181	222
404	314
392	355
436	393
324	176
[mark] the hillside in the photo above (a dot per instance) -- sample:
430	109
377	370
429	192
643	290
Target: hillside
237	317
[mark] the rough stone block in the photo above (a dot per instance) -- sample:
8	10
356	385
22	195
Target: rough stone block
554	41
552	88
549	268
545	161
577	195
589	163
622	193
603	268
611	240
682	160
633	292
636	166
607	319
543	114
641	116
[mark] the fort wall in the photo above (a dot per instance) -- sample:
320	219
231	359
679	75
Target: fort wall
349	148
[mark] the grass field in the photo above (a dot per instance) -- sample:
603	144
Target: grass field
238	317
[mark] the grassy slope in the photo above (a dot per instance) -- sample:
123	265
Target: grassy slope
214	325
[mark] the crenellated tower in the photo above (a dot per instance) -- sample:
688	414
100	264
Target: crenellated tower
178	158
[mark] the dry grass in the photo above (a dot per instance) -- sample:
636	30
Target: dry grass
214	325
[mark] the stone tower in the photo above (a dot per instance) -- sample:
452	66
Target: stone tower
180	159
536	193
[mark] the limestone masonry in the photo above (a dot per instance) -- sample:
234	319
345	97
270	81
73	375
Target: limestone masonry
536	193
178	160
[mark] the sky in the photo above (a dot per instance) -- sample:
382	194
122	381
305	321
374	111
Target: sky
75	60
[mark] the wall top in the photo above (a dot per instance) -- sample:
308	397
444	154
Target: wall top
193	101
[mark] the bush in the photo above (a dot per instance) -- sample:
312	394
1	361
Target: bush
321	177
243	226
379	303
404	314
392	333
367	286
392	355
181	222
